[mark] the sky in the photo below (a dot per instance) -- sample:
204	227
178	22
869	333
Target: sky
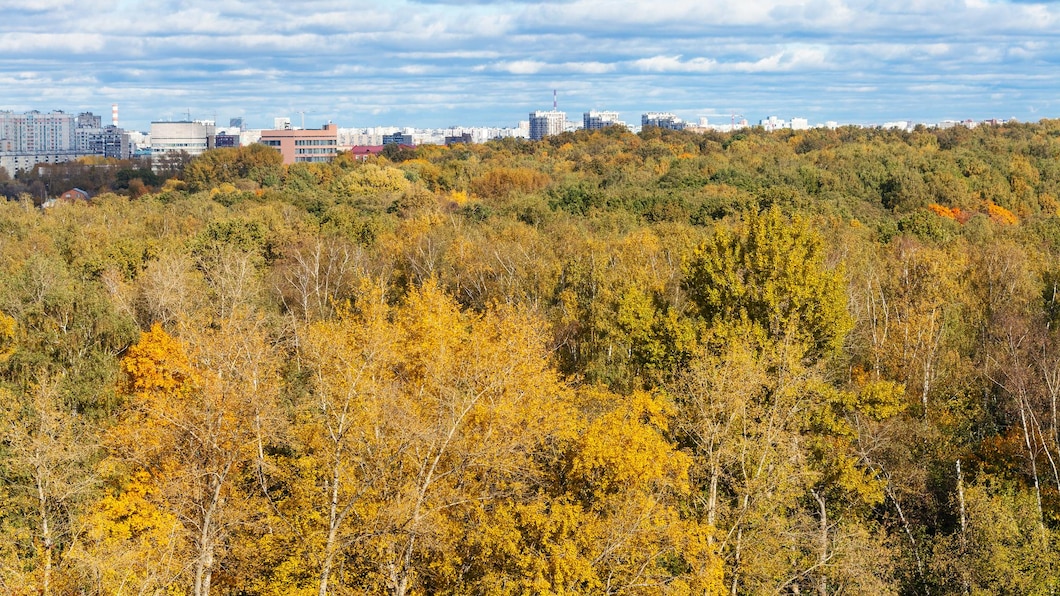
441	63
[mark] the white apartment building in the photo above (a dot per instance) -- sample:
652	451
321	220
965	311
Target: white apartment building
594	120
36	133
543	124
661	120
773	123
30	138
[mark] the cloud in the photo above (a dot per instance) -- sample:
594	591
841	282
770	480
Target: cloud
491	61
50	43
783	61
36	7
666	64
533	67
501	3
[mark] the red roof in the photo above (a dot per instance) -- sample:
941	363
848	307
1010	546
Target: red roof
366	149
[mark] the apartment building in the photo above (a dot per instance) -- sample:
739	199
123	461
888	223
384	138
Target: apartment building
661	120
543	124
29	138
593	120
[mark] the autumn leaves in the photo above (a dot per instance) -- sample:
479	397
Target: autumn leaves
433	449
643	364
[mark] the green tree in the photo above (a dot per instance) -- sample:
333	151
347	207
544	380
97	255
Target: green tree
257	163
45	454
771	273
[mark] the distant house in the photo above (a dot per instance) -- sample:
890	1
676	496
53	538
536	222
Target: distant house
363	152
74	194
70	196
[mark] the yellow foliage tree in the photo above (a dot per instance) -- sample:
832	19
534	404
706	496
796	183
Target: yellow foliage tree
131	544
197	416
417	413
437	452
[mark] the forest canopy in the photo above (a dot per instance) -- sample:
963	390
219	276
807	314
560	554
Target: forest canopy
658	363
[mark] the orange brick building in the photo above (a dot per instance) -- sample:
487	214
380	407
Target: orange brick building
310	145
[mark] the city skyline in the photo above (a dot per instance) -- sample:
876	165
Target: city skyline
439	63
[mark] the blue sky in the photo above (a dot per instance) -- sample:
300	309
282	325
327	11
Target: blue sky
437	63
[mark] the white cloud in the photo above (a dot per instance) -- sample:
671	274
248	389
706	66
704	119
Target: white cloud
589	67
522	67
347	70
50	43
533	67
36	5
452	55
852	54
782	61
670	64
851	89
788	60
252	72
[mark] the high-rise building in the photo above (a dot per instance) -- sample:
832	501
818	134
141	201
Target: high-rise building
89	120
593	120
225	140
35	133
772	123
661	120
108	141
543	124
32	137
92	138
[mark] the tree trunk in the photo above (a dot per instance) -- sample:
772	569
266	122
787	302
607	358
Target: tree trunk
204	562
736	563
333	528
203	570
908	528
325	571
712	503
46	534
822	555
1029	442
